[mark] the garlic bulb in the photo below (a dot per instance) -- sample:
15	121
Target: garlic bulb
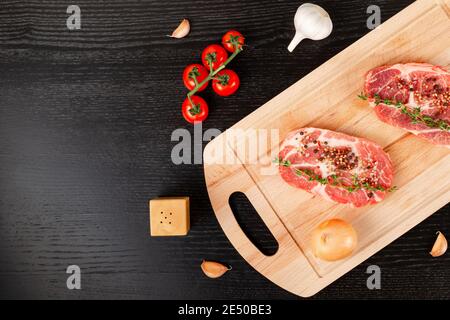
311	22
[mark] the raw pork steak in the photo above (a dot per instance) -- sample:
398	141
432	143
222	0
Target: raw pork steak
421	90
339	167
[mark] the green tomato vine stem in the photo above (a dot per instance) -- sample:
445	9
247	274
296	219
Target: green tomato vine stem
212	74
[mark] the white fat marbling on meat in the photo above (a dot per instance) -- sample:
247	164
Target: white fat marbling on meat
407	68
376	197
320	190
412	103
425	131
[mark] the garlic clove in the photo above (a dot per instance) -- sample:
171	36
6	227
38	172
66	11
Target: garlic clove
182	30
214	269
440	245
311	21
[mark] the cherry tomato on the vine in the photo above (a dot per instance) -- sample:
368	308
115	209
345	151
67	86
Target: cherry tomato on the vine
231	39
197	112
193	73
214	55
226	82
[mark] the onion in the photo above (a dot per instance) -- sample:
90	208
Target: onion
333	240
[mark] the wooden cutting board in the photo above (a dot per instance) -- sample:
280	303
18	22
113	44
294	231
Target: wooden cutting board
327	98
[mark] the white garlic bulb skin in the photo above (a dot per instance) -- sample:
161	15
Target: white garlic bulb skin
311	22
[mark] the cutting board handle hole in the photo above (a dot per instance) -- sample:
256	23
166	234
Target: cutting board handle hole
252	225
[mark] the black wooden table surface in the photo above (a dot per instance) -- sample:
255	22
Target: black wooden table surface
86	119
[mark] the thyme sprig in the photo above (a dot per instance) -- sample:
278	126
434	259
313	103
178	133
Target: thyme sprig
415	114
281	162
333	180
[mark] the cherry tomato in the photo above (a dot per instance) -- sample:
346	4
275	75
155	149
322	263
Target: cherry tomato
196	113
214	54
231	39
195	70
226	82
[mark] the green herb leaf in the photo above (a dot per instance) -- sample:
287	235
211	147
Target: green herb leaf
415	114
357	185
362	96
417	117
281	162
377	99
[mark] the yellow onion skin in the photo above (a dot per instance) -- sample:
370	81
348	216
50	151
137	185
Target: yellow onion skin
333	240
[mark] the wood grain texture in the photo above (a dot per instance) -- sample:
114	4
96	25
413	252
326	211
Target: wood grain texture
85	125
